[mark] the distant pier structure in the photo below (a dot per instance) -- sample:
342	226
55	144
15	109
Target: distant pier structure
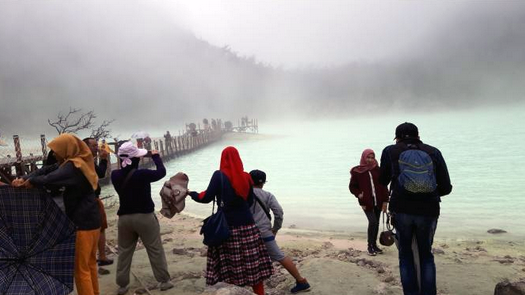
14	163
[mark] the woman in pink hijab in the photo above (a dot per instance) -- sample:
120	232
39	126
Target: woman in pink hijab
372	196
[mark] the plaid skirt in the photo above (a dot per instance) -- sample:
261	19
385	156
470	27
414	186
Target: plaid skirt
242	260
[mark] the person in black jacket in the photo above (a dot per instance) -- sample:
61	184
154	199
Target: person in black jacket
418	178
136	215
76	173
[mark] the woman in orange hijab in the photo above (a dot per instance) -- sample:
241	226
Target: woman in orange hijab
242	259
76	172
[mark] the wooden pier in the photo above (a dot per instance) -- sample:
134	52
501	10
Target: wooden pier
169	147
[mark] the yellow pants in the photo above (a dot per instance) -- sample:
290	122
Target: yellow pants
86	278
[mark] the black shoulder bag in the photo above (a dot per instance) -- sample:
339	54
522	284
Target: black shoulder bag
215	228
386	238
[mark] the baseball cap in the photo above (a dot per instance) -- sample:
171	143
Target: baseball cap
258	176
406	130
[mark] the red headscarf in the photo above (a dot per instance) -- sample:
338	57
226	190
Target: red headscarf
364	166
231	165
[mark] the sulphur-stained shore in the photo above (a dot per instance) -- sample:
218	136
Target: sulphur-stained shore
333	263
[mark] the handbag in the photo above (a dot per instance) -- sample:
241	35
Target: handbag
215	228
386	238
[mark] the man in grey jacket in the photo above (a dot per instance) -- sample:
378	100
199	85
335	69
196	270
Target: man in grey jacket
264	202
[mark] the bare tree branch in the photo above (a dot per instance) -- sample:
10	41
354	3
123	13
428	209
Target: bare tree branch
102	131
65	124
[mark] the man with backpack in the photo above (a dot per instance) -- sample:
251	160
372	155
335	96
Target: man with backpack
263	203
418	177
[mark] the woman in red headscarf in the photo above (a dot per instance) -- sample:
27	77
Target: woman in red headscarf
241	260
372	195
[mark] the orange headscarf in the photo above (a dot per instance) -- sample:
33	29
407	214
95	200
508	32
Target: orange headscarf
231	165
72	149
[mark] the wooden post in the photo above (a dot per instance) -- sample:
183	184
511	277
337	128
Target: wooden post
18	151
44	146
161	148
108	169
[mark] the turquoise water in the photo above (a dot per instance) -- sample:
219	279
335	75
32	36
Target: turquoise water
308	164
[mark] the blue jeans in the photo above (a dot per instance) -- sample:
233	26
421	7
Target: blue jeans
423	227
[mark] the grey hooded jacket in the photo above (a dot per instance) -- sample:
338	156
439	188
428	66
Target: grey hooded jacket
263	223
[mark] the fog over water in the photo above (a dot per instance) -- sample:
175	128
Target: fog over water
326	79
151	63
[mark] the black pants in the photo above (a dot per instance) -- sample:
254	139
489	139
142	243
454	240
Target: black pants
373	224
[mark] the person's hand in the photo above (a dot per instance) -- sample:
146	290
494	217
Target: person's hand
103	154
274	232
360	196
154	152
385	205
18	182
27	184
363	206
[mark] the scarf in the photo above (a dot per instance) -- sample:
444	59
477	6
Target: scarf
232	167
364	166
72	149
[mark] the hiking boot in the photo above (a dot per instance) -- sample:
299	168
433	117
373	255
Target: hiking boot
122	290
377	249
165	286
371	250
301	287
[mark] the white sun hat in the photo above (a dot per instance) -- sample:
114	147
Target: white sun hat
127	151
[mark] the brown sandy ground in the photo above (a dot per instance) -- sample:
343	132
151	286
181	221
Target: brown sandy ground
333	263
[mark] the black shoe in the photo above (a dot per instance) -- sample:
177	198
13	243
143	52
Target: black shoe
300	287
371	250
105	262
377	249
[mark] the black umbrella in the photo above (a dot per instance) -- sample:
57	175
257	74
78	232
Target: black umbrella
37	244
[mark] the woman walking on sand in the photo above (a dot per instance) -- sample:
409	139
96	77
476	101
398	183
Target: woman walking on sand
242	259
372	196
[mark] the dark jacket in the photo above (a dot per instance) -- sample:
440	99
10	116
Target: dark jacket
136	196
360	182
236	209
427	205
101	173
79	197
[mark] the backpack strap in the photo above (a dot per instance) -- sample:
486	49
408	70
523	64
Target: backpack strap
265	209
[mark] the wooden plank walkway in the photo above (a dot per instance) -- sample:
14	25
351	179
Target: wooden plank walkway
169	148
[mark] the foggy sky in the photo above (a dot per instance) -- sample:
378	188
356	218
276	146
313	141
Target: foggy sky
145	62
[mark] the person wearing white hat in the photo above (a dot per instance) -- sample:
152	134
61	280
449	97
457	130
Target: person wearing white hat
137	218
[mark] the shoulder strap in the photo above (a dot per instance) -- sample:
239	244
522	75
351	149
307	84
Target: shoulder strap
126	180
263	206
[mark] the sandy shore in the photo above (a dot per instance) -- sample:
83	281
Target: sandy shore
332	262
